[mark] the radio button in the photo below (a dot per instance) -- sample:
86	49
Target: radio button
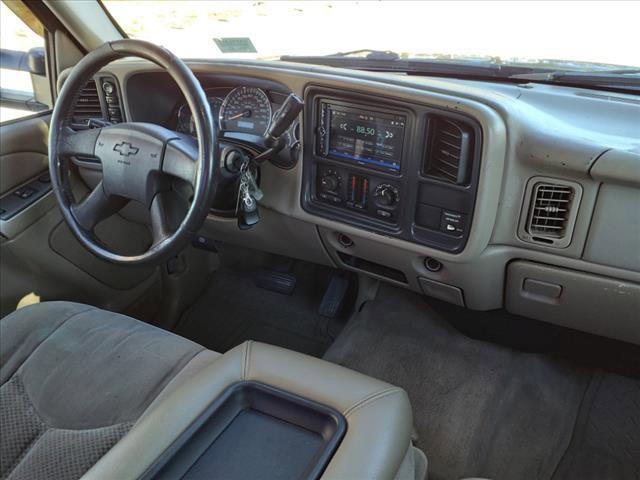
452	222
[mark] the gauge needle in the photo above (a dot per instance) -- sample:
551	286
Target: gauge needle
246	113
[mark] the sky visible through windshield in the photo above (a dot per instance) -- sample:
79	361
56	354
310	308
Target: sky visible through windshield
598	32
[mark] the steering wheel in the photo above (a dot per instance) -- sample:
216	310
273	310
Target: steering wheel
138	159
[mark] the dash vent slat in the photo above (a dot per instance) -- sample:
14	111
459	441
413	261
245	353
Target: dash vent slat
87	105
449	153
550	210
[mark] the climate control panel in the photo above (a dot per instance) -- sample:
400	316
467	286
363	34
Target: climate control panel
363	193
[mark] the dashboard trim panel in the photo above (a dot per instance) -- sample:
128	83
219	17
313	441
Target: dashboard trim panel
410	183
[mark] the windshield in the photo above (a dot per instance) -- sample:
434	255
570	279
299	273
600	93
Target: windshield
568	35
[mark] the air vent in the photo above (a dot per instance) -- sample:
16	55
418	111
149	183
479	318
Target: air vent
450	150
88	104
552	209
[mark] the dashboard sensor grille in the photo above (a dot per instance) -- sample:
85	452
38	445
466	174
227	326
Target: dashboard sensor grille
449	153
88	104
550	210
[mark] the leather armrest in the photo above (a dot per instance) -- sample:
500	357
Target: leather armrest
378	415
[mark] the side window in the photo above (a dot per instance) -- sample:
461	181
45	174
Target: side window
24	87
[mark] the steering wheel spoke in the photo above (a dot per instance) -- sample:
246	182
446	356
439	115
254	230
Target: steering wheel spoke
160	213
96	207
81	143
180	159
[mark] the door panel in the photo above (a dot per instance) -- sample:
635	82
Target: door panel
23	150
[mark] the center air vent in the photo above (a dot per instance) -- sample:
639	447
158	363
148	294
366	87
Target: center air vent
450	150
87	105
552	210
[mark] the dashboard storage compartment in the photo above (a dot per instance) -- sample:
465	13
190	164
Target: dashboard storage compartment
593	303
254	431
614	233
372	267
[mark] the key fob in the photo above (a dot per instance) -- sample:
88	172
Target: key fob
248	214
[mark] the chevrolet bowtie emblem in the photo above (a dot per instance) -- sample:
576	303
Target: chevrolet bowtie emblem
125	149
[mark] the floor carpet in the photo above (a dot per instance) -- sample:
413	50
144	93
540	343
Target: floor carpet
486	410
233	309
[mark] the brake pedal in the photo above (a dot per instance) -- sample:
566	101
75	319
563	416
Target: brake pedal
334	296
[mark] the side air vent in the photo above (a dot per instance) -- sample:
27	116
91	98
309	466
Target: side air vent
88	104
552	207
449	151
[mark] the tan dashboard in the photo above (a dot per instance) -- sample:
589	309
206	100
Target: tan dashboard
540	218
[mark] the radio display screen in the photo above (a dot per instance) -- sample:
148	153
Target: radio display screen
365	137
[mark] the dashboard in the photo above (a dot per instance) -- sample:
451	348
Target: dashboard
485	195
398	168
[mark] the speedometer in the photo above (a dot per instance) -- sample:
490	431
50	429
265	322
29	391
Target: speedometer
246	109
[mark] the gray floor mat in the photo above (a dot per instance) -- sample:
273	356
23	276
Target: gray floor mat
606	443
480	409
233	309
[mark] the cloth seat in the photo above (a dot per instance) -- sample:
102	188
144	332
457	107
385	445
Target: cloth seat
87	392
74	379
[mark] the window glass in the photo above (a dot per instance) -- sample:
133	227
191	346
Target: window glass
16	36
578	35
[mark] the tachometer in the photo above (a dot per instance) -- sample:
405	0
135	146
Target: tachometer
185	119
246	109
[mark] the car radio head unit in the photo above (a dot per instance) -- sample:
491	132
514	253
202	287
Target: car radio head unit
359	136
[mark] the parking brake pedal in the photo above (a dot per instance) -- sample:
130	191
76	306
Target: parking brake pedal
334	296
284	283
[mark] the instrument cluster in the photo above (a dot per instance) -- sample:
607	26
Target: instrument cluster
243	109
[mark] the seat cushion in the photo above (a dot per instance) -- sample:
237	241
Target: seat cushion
73	380
85	392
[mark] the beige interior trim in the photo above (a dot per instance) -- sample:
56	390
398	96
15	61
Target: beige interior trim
378	414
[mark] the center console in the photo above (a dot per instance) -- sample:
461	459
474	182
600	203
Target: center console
389	166
250	431
261	411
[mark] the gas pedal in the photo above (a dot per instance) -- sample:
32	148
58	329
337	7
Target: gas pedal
334	296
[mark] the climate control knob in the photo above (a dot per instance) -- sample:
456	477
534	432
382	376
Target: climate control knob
386	195
330	182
